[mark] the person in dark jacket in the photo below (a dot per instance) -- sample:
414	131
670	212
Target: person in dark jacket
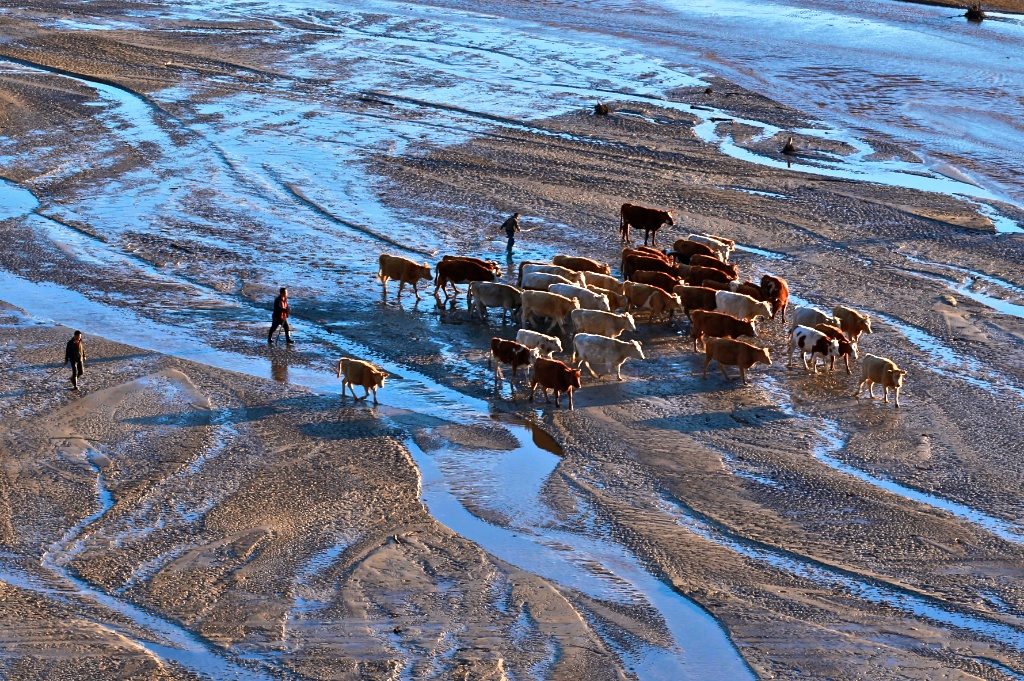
511	226
74	354
280	317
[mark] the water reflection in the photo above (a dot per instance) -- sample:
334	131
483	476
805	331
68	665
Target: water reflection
279	360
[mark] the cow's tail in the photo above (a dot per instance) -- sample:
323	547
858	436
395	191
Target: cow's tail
340	363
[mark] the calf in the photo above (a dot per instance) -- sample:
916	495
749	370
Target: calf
605	281
581	264
492	265
721	248
634	263
747	288
616	300
487	294
874	369
852	323
652	299
809	316
715	263
353	372
696	275
696	298
846	347
648	219
591	349
741	306
776	291
601	323
402	270
550	374
540	281
734	353
544	344
717	325
643	252
666	282
508	352
811	341
589	300
684	249
459	271
548	305
717	285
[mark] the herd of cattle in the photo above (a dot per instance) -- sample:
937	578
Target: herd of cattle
582	300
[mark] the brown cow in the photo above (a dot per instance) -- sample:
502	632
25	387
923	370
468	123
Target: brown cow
666	282
581	264
684	249
508	352
711	261
852	322
402	270
734	353
353	372
644	252
776	291
874	369
697	274
846	347
696	298
715	284
550	374
459	271
492	265
717	325
648	219
634	263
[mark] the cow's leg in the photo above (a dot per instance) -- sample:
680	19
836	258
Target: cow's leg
897	392
571	405
352	387
365	394
832	365
533	389
415	291
848	370
384	283
618	371
375	396
860	389
885	394
871	389
707	363
789	360
743	374
583	361
401	285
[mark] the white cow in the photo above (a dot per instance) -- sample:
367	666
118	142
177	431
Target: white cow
601	323
591	349
724	247
542	281
811	316
546	345
605	281
589	300
742	306
572	276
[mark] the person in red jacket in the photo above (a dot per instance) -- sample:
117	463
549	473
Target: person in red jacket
74	353
280	317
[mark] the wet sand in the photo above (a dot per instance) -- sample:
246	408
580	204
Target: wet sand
210	507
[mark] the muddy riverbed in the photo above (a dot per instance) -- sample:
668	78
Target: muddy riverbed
210	508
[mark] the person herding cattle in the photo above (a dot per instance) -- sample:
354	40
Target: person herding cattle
74	354
511	226
280	317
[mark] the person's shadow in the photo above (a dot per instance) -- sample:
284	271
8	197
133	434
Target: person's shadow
279	360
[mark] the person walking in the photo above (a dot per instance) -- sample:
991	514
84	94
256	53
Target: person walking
74	354
511	226
280	317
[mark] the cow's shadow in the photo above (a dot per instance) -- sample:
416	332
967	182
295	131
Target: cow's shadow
711	421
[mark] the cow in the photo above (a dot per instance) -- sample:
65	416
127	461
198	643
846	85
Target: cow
648	219
807	340
602	323
695	298
605	281
651	250
549	305
846	346
573	276
589	300
487	294
402	270
508	352
643	253
734	353
809	316
616	300
715	263
652	299
353	372
492	265
747	288
666	282
459	271
634	263
581	264
776	291
550	374
852	323
590	349
742	307
717	325
697	275
544	344
715	284
874	369
683	250
540	281
720	247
